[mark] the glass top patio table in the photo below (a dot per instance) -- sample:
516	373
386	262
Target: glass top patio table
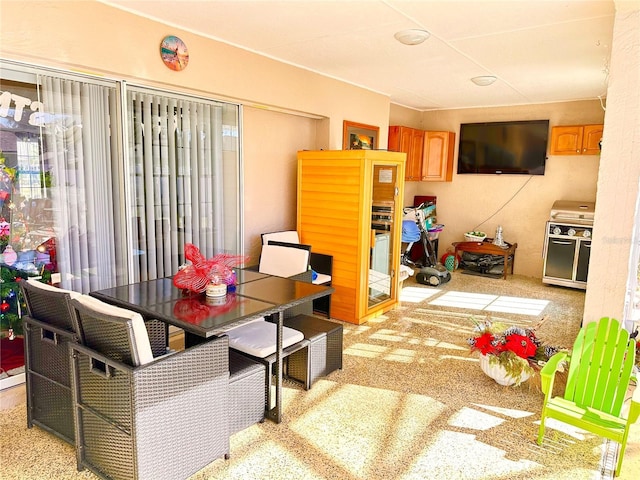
256	295
196	314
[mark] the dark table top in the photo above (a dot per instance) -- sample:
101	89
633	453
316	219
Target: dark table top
256	295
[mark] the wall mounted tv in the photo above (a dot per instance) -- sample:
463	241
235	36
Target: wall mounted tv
518	147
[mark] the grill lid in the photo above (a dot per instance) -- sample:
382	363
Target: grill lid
573	211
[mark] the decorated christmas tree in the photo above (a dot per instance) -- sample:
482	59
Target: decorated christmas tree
17	256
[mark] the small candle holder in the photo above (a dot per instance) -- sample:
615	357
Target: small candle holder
216	290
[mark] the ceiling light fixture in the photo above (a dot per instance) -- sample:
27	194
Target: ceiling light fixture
484	80
412	36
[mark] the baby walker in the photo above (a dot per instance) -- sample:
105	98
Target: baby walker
418	225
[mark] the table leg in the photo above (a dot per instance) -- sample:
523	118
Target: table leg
506	267
275	413
191	340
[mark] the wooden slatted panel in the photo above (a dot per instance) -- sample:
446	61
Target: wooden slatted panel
595	379
600	367
622	364
329	211
335	190
578	369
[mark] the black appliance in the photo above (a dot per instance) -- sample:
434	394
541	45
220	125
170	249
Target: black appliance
567	244
518	147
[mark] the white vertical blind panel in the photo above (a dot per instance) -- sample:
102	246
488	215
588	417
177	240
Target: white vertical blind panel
77	140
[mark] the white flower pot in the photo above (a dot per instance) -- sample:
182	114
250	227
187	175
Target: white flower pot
498	373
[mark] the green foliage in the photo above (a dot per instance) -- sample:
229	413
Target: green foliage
514	366
11	295
45	179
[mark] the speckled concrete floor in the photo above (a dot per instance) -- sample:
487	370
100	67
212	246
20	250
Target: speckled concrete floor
410	403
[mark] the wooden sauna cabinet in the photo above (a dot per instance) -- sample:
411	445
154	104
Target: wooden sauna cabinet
350	206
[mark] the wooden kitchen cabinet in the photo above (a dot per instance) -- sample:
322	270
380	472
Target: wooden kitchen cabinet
350	207
576	140
437	157
429	154
410	141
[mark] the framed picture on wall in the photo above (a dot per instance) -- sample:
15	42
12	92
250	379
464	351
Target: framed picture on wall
358	136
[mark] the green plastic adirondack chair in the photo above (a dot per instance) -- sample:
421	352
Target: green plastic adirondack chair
600	369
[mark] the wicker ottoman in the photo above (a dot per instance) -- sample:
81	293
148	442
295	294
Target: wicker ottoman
324	354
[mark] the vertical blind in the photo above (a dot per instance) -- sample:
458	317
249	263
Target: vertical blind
82	155
176	180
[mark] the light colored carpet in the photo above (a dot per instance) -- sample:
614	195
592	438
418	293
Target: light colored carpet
410	403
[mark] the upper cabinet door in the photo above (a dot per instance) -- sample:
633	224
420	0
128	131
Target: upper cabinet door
576	140
591	139
408	140
566	140
437	158
414	158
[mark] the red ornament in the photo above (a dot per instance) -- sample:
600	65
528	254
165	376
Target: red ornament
196	276
4	306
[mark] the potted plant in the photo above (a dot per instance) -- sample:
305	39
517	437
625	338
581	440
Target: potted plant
509	355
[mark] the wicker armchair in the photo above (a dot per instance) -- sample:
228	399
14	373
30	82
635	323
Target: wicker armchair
49	326
247	394
140	417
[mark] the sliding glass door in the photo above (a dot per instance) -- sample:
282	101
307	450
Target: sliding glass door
102	183
180	188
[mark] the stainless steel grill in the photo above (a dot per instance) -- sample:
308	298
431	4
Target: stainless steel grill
567	243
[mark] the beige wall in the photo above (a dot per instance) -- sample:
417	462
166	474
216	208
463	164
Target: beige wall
611	282
270	172
519	203
407	117
92	37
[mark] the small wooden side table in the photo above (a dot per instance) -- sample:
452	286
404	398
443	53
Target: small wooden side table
488	248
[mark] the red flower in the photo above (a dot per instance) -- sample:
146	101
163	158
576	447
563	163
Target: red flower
484	343
520	345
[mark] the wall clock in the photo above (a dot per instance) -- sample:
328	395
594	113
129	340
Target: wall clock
174	53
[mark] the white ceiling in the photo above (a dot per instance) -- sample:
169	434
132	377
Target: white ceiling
540	51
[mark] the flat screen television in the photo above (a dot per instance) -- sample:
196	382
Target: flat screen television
518	147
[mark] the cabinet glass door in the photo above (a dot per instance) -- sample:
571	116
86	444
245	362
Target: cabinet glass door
383	215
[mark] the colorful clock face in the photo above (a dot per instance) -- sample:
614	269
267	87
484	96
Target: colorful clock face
174	53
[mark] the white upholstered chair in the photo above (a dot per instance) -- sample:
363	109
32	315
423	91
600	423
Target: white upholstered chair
321	264
283	261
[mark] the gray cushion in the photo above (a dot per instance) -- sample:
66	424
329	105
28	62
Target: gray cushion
258	338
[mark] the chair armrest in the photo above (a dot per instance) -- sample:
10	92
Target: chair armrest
213	353
548	372
50	332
